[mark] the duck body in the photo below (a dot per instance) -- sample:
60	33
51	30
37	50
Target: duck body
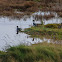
34	24
18	29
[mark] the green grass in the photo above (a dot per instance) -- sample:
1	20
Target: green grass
52	25
45	31
42	52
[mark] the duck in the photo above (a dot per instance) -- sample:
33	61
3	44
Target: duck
18	29
35	24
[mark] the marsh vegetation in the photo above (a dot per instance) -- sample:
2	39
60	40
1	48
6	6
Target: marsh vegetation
39	43
36	53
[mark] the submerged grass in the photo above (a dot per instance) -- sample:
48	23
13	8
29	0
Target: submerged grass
42	52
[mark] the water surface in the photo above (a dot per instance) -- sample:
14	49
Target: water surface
8	36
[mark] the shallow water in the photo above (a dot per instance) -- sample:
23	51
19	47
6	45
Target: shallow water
8	36
55	19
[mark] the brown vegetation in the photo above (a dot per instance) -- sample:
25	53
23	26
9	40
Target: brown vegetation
37	17
60	14
48	16
8	9
40	17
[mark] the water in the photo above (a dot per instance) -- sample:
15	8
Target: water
8	36
53	20
56	19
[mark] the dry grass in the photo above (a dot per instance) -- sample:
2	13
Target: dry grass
7	9
60	14
48	16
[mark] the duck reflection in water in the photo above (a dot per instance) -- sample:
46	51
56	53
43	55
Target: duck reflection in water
18	29
33	39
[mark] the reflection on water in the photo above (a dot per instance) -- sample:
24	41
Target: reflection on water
8	36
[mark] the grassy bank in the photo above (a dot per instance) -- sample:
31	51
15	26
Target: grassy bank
44	30
42	52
